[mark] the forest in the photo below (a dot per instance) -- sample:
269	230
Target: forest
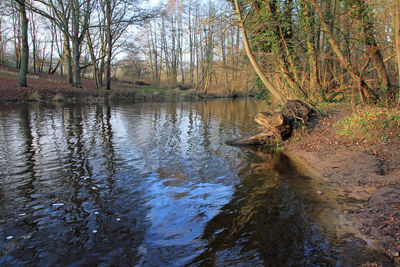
319	51
206	133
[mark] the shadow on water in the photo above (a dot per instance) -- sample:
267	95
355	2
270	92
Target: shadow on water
276	217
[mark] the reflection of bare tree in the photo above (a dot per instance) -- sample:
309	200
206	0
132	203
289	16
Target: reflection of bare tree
77	162
108	147
206	123
29	151
24	176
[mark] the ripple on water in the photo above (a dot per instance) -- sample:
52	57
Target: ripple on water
154	184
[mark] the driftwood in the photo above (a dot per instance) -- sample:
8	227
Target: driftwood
278	126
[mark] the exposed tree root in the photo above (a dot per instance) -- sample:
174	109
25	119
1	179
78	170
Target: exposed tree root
278	126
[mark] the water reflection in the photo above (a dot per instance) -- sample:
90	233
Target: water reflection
275	218
153	184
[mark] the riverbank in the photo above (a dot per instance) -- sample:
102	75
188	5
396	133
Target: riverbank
364	168
53	88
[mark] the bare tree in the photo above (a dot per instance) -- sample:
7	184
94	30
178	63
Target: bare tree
80	12
24	40
241	20
74	13
59	12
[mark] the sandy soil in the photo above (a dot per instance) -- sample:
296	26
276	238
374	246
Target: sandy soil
366	172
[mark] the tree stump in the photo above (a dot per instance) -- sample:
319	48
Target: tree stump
278	126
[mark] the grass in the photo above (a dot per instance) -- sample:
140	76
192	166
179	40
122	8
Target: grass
134	89
151	88
373	125
33	96
149	93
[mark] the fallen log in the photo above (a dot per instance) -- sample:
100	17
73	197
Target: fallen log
261	137
278	126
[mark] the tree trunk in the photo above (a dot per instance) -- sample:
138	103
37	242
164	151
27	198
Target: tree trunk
281	38
191	45
174	53
373	50
180	49
365	91
1	44
274	91
311	51
109	44
278	126
67	56
25	48
94	60
223	52
397	37
76	63
285	33
41	66
53	36
150	52
17	35
76	53
34	45
59	64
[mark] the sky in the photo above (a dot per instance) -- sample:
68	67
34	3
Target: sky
155	2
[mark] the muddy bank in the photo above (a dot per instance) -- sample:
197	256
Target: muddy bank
366	173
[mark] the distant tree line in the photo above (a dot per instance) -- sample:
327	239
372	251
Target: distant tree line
196	44
310	49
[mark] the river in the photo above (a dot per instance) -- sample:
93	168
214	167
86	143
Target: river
153	184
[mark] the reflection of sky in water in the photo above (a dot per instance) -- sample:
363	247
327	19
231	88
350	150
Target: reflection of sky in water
187	182
152	184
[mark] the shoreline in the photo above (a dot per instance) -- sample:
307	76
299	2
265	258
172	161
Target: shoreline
58	96
366	174
48	88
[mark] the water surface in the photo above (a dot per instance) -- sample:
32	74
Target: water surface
153	184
